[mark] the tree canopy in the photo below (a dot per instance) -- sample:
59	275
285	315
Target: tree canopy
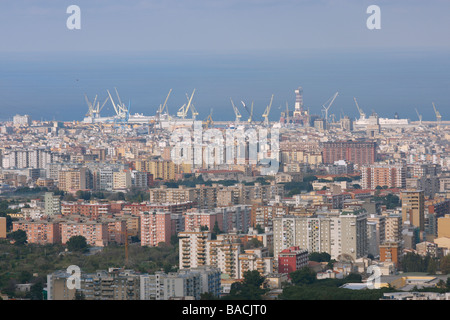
77	243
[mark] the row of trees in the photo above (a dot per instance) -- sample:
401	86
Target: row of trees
413	262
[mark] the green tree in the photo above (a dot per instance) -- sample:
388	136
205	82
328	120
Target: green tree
445	264
432	266
19	237
36	291
320	256
249	289
77	243
304	276
259	229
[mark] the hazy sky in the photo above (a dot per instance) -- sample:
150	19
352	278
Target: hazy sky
221	25
245	49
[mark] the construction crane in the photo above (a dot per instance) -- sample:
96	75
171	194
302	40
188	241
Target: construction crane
420	117
125	233
236	112
361	113
438	115
329	105
183	111
267	112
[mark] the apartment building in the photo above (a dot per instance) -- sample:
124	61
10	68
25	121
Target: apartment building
255	259
156	227
74	179
292	259
393	176
192	248
52	204
357	152
204	218
224	254
95	232
413	208
113	284
122	180
93	210
39	231
337	233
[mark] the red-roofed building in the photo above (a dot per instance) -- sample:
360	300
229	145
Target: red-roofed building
292	259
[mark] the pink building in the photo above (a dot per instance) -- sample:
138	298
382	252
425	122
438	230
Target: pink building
96	233
117	231
196	219
156	227
40	231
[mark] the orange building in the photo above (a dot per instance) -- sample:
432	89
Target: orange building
85	209
389	252
40	231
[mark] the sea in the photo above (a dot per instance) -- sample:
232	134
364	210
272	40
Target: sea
53	85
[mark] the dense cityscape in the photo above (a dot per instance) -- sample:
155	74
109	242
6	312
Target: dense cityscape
174	207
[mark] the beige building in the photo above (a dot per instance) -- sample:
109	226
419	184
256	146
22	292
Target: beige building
444	226
393	228
2	227
114	284
224	254
413	208
255	259
121	180
192	248
71	180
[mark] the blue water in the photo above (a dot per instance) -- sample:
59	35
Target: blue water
51	86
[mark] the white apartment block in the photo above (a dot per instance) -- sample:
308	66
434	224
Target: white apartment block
335	233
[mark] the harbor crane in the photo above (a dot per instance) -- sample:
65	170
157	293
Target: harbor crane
329	105
122	111
361	112
420	117
267	112
438	115
161	109
193	110
209	120
250	112
236	112
164	106
183	111
94	107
